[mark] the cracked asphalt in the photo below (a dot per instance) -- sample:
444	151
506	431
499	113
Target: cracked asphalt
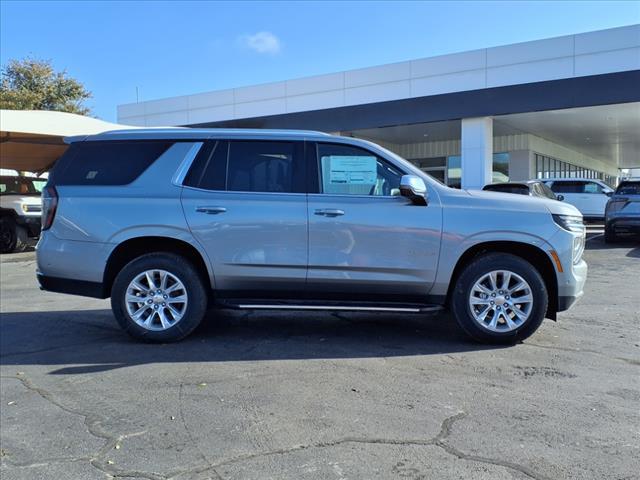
320	396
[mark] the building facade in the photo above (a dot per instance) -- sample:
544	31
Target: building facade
565	106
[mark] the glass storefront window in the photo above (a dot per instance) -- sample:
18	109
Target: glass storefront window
547	167
500	169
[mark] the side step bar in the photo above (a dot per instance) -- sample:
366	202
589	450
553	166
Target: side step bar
349	307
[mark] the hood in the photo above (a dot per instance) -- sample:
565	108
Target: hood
513	201
24	199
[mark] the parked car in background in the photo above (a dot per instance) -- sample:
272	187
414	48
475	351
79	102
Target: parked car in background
169	221
622	214
20	210
533	188
590	196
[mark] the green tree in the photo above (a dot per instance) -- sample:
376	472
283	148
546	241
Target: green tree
33	84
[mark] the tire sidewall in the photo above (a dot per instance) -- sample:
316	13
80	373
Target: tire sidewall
8	225
185	272
483	265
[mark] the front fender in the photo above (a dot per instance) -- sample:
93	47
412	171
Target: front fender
454	248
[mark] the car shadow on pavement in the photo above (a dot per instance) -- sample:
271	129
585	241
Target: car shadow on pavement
628	241
90	341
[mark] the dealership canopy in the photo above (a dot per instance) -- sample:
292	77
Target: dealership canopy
32	140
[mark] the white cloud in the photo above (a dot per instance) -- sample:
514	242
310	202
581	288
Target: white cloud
261	42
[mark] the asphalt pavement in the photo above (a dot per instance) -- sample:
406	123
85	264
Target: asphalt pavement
296	396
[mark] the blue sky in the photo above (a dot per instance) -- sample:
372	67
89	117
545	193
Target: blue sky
177	48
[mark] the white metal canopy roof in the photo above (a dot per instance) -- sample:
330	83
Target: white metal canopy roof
32	140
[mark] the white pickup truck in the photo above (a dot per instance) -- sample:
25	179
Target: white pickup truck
20	211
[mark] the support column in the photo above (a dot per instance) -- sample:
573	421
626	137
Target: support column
477	152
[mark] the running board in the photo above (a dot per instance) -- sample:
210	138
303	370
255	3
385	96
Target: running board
348	307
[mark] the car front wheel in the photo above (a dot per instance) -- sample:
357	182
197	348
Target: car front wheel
159	297
499	298
610	235
13	237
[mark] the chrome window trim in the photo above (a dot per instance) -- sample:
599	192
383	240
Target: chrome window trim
347	195
229	192
185	165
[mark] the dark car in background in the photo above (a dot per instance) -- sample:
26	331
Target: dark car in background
622	214
533	188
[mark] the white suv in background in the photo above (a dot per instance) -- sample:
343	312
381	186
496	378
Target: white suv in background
588	195
20	211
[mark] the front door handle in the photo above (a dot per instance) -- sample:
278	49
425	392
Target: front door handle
329	212
211	210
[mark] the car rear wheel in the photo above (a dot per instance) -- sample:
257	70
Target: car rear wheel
159	297
499	298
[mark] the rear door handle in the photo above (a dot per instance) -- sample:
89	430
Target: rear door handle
329	212
211	210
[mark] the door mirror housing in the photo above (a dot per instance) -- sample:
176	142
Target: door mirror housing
414	188
608	193
560	197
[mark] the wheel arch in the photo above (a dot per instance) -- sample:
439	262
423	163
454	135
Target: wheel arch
8	212
534	255
134	247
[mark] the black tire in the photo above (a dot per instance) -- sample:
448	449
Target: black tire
473	272
13	237
610	235
182	269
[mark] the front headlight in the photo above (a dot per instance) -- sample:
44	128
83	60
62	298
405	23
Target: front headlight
574	224
31	208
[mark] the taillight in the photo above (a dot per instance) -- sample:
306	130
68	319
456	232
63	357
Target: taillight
49	205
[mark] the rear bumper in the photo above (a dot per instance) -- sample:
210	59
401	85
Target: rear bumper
72	287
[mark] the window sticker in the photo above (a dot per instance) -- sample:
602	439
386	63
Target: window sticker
353	170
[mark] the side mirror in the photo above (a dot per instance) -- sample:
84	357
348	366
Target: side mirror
609	193
560	197
414	188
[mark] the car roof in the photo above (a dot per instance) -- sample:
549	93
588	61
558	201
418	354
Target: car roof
571	179
178	133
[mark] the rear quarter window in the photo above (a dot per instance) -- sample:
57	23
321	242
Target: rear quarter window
106	163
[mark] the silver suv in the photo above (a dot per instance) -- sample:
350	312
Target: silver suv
168	222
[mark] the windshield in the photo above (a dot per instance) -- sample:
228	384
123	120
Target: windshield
21	185
508	188
628	188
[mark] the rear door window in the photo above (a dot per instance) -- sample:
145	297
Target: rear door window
249	166
106	163
263	167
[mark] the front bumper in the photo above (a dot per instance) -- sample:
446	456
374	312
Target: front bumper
571	285
624	224
32	223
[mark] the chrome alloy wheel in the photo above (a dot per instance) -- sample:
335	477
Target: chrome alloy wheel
501	301
156	300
